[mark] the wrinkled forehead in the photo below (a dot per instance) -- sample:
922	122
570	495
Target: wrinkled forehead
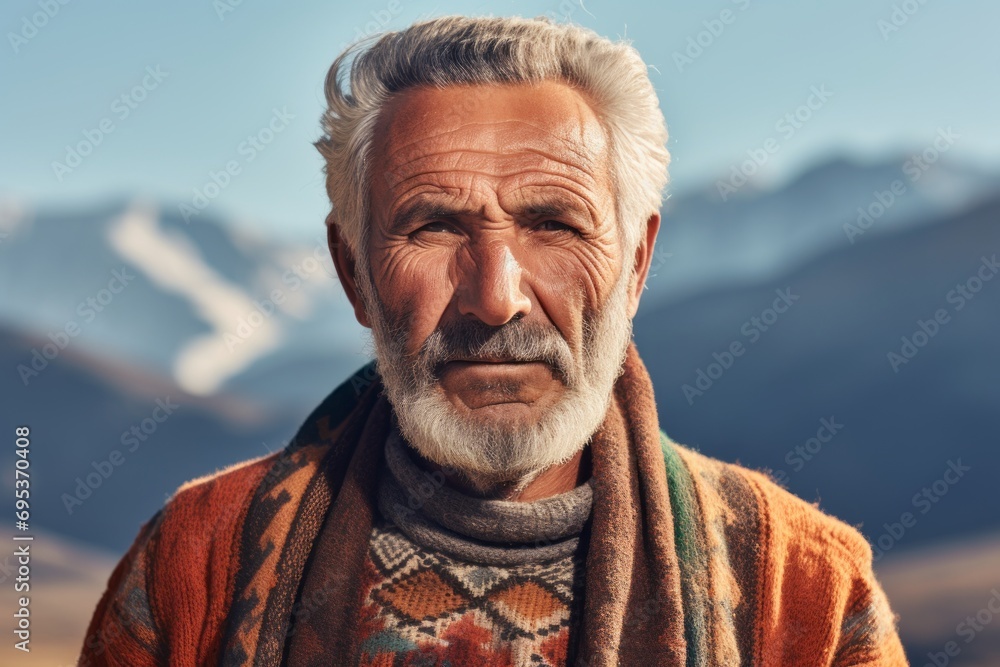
500	129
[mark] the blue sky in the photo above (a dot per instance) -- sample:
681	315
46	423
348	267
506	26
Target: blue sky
211	75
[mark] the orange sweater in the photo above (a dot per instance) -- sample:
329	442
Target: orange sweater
690	561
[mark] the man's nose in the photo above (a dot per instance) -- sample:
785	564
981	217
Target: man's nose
490	286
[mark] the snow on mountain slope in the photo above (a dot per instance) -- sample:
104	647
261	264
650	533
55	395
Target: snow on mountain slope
217	309
173	264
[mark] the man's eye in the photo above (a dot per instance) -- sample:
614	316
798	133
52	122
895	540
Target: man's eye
554	226
437	226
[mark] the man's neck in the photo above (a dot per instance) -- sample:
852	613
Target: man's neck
554	480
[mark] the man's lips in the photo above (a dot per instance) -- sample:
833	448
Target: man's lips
494	360
481	364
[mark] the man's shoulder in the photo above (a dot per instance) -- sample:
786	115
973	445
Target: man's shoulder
221	499
188	554
217	497
783	521
204	515
804	570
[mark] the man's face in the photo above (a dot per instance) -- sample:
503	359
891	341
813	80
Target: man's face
494	252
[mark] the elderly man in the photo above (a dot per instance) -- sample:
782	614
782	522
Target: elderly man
495	489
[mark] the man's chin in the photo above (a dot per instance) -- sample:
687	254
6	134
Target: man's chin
440	429
510	415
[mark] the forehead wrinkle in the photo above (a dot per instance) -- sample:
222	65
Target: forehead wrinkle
522	177
578	144
509	166
467	126
586	159
585	163
506	162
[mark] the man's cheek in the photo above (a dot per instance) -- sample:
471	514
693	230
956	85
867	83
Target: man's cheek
581	274
416	307
404	278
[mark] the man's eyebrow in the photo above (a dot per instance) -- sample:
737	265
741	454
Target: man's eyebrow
558	206
552	208
424	210
540	208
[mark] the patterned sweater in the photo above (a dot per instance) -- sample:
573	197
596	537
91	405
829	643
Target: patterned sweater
689	560
456	580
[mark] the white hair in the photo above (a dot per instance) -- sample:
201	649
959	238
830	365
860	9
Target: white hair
459	50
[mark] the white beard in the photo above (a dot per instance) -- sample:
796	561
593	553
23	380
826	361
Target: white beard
501	456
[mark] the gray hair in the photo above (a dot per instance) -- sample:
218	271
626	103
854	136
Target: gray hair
458	50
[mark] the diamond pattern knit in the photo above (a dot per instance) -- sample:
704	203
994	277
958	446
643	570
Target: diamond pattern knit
426	608
423	606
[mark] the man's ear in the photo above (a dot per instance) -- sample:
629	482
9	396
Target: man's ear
343	259
643	260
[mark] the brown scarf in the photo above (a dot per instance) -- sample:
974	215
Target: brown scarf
633	578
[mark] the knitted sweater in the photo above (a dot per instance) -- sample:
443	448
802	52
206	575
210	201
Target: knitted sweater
689	561
452	579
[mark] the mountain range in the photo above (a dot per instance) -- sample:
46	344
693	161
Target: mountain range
187	347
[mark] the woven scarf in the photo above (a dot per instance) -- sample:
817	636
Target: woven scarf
306	535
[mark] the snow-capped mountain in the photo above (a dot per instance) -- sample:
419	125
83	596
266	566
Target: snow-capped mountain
106	310
213	308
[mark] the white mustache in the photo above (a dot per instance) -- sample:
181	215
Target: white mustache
515	342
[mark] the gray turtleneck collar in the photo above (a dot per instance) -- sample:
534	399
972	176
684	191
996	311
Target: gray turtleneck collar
492	532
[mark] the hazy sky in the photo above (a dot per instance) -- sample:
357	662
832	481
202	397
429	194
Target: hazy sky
168	92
